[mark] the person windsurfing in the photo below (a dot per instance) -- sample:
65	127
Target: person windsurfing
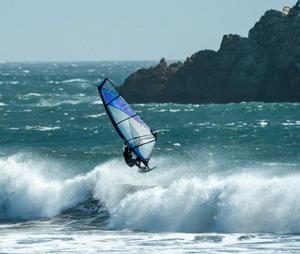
138	137
130	161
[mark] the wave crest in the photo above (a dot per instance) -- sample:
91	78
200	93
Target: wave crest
164	200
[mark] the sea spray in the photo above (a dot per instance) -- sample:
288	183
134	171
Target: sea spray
167	199
26	193
239	202
242	202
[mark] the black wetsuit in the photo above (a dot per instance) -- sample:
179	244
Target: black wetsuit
128	157
130	161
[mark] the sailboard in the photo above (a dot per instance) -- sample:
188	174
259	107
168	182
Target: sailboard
127	122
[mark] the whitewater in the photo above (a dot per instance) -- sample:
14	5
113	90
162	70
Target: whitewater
174	199
226	177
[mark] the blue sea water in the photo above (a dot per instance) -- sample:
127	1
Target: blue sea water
227	176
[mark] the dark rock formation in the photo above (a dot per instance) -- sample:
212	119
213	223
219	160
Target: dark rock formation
147	85
263	67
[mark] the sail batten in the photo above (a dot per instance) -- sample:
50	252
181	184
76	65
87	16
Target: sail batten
128	124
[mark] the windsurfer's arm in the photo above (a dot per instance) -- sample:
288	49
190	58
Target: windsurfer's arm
127	149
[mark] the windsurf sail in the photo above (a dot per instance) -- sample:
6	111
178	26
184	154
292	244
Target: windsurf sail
128	124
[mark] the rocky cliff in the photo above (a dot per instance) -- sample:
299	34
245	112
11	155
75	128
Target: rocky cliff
263	67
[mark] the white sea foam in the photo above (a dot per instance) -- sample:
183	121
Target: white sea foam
42	128
170	198
263	123
95	115
56	82
25	193
75	80
162	130
290	123
174	110
13	82
56	102
98	102
176	144
33	95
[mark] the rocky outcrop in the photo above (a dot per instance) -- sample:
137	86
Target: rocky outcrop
147	85
263	67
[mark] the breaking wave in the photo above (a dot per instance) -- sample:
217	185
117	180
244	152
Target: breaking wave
178	198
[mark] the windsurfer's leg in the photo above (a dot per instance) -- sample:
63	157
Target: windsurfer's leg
142	168
137	163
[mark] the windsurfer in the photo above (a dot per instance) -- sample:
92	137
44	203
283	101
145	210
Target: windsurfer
130	161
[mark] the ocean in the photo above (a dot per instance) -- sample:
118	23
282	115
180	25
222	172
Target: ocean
226	178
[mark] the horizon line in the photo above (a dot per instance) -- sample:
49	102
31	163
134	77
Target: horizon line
88	61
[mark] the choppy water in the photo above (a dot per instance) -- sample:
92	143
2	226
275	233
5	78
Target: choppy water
227	176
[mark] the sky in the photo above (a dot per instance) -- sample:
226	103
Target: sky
100	30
